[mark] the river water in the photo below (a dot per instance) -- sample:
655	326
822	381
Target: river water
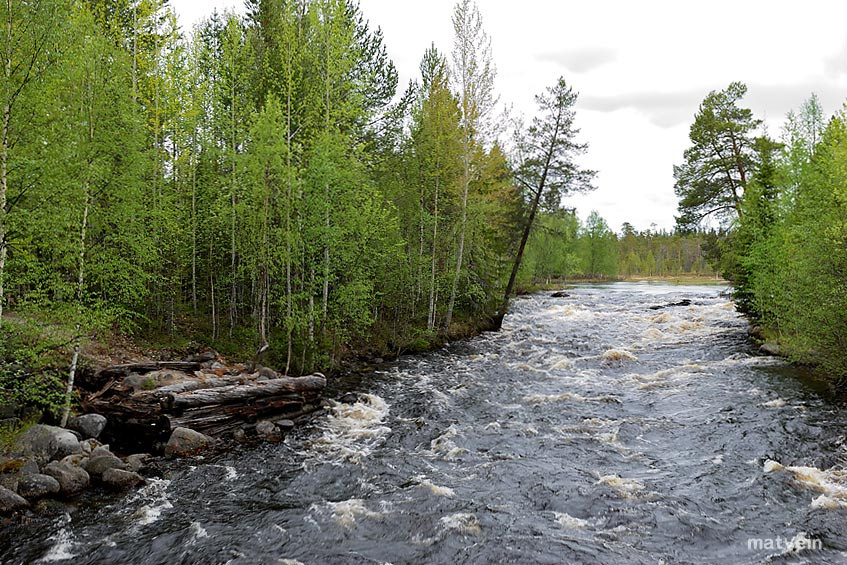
591	429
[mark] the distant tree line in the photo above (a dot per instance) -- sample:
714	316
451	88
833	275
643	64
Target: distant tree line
561	247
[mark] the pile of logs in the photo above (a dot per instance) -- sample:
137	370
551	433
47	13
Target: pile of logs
145	401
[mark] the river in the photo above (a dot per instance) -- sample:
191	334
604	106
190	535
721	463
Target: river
591	429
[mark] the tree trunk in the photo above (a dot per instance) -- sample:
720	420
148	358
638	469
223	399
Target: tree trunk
80	282
465	185
433	295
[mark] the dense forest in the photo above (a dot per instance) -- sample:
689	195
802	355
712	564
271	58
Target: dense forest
782	207
259	182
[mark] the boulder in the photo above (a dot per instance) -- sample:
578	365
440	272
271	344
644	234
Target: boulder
769	349
72	479
349	398
120	479
9	501
285	425
185	441
37	486
46	443
90	444
88	425
136	462
265	428
77	459
559	294
101	462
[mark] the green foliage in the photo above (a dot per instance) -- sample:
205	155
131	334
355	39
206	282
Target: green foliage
717	166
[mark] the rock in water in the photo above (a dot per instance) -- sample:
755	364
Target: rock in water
559	294
285	425
47	442
120	479
72	479
38	486
136	462
265	428
185	441
101	461
9	501
88	425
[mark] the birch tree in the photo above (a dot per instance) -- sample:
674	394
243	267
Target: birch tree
473	76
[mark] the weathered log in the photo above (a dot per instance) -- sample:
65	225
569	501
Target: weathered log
244	393
208	381
126	369
218	419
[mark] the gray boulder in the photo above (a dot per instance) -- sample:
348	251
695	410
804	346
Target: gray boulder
769	349
136	462
72	479
184	441
9	501
120	479
46	443
77	459
38	486
285	425
102	461
90	445
88	425
266	428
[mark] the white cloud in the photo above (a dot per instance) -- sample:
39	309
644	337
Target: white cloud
580	60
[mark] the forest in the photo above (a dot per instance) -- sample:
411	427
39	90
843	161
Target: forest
781	207
261	181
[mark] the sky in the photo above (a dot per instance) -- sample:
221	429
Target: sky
641	70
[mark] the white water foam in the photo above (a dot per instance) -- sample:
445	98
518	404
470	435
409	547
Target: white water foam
351	431
831	483
627	488
463	522
346	512
62	548
566	520
156	496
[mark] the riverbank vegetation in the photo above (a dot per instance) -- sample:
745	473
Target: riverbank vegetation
782	203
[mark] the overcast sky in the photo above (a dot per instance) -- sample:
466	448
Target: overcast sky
641	69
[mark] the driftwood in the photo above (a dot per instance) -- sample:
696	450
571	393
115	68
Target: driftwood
244	393
143	368
204	402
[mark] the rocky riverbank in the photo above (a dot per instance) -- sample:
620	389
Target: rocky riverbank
148	411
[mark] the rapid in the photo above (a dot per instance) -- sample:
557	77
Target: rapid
591	429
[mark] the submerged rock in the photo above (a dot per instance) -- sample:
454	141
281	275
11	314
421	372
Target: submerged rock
10	501
72	479
560	294
120	479
185	441
38	486
88	425
683	302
